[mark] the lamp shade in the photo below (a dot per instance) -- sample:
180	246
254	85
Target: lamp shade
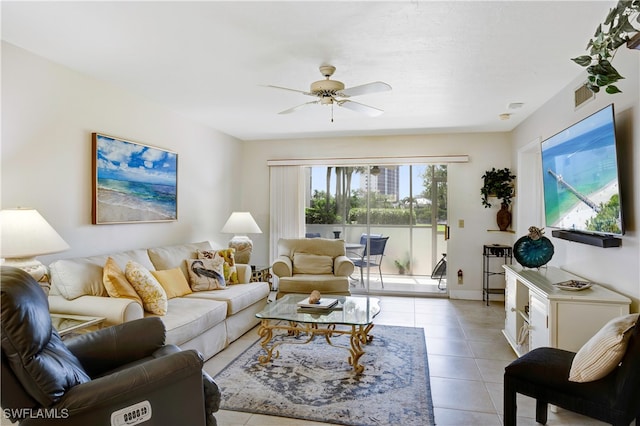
241	223
24	233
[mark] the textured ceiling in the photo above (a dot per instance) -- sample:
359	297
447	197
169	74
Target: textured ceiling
454	66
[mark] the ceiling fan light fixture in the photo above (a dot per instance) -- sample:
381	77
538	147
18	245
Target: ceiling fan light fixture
330	92
331	86
375	171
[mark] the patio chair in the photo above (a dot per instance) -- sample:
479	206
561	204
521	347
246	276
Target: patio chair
371	255
355	253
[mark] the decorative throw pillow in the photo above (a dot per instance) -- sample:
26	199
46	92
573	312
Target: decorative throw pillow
116	282
206	274
604	351
306	263
230	270
173	282
154	298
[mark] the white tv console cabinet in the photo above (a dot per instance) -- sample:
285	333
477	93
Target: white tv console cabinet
540	314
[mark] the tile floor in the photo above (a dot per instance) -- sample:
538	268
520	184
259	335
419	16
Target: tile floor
467	355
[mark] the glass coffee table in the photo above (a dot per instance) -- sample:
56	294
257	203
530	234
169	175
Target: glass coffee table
71	325
352	316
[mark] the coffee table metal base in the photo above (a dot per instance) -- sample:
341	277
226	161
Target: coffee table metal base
358	336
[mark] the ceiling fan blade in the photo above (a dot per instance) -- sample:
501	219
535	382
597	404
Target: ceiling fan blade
358	107
365	89
291	90
296	108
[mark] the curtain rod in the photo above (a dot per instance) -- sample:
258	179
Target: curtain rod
378	161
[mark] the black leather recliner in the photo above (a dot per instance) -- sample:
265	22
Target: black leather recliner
113	376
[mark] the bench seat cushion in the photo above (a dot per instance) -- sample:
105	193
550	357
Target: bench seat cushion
188	318
237	296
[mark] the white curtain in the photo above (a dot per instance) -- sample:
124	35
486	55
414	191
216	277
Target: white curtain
286	205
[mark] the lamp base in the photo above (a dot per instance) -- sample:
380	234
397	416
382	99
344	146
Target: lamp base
243	246
32	267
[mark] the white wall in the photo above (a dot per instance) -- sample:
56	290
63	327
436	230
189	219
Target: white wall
617	268
465	246
48	115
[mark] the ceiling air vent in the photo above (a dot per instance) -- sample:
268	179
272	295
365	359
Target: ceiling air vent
583	95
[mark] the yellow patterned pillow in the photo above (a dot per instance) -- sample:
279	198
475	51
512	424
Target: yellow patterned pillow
154	298
116	283
173	282
206	274
230	270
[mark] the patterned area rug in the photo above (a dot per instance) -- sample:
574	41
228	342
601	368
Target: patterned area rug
315	381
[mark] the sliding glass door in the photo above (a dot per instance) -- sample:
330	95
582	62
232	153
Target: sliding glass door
404	203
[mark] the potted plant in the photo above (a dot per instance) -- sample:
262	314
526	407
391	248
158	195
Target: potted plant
402	266
620	25
499	183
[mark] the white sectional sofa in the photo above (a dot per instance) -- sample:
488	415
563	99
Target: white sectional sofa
204	320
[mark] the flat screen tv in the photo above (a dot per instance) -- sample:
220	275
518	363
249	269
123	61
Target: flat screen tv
580	177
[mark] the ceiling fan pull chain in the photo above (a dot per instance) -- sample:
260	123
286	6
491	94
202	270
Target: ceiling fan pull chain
332	112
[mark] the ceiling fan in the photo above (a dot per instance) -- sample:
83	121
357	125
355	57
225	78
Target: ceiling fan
330	92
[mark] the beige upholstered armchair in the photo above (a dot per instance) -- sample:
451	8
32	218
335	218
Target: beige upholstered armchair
308	264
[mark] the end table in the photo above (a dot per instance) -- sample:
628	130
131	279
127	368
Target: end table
71	325
261	274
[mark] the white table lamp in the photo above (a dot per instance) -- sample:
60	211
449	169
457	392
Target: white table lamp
25	234
241	224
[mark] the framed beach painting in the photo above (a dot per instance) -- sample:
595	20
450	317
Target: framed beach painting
133	182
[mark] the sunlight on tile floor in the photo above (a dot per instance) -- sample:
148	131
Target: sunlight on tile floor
467	355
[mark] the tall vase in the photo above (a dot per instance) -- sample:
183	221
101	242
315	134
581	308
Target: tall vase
503	217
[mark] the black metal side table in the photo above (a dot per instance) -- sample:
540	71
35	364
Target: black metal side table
494	251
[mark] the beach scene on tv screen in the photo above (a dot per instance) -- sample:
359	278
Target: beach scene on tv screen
580	177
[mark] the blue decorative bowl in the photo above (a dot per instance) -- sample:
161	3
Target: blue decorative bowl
533	253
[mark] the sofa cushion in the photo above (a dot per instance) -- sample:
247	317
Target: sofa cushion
187	318
72	278
237	297
306	263
173	282
116	282
206	274
170	257
228	254
604	351
154	298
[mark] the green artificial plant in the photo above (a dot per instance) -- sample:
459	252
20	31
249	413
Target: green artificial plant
620	25
497	183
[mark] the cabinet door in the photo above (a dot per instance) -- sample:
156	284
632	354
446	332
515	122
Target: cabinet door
538	324
510	321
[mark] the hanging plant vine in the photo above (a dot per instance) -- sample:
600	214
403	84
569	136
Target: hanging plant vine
622	23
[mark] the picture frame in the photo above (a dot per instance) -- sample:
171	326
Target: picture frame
132	182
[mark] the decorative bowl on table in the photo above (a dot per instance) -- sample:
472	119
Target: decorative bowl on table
533	250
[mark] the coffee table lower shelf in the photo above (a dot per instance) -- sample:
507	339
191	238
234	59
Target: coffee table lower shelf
359	336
